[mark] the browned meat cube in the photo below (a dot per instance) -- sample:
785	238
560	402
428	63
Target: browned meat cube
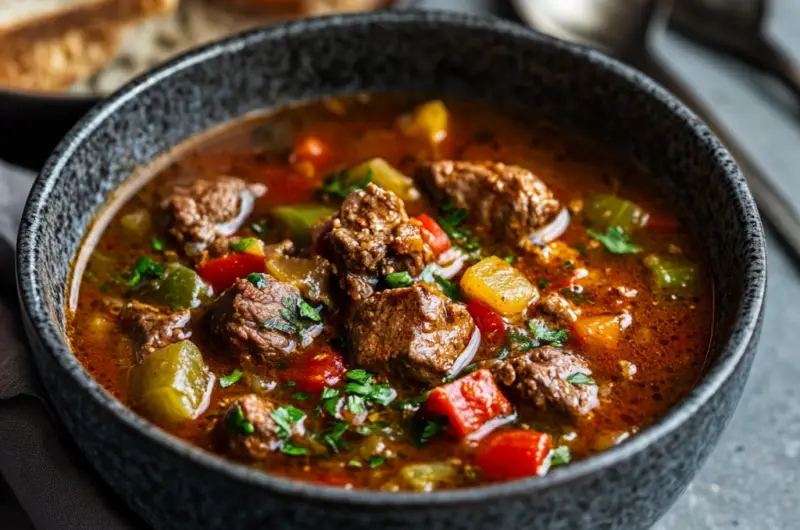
246	430
250	320
541	377
152	328
369	237
508	202
207	209
415	331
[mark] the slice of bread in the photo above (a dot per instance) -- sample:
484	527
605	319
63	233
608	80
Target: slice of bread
47	45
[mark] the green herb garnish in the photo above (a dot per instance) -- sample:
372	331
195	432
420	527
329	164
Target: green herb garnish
257	279
615	240
560	456
158	245
568	265
356	404
241	245
580	379
448	288
543	284
510	259
301	396
237	423
397	280
412	404
450	220
361	384
293	450
297	317
333	437
376	461
286	417
230	379
547	335
290	384
355	463
430	429
338	185
144	268
572	296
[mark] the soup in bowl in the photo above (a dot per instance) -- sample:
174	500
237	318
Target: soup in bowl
455	274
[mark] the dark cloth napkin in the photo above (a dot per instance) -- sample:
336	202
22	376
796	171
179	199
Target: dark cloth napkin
44	470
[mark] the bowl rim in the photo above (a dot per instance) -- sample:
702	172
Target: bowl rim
35	307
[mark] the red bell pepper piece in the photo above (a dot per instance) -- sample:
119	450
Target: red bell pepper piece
314	150
468	402
316	369
433	234
491	324
222	272
513	454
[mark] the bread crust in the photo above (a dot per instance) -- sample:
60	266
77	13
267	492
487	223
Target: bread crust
53	51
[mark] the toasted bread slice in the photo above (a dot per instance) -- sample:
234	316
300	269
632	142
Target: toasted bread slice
47	45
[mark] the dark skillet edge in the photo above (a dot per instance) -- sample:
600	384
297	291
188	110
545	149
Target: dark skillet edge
743	336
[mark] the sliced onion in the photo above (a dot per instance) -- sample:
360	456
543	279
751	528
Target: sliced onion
450	264
247	201
468	354
551	231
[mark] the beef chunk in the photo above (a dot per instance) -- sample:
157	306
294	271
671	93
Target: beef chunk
508	202
540	376
414	331
250	320
231	434
152	328
370	237
207	209
556	305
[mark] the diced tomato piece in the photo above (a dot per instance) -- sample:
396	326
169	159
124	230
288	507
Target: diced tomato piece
433	234
285	185
491	324
315	369
222	272
314	150
513	454
468	402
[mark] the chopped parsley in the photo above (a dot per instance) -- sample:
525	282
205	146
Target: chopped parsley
242	245
522	341
580	379
333	438
285	418
450	220
580	248
301	396
510	259
568	265
615	240
328	393
339	185
329	401
560	456
367	429
503	353
290	384
144	268
412	404
230	379
450	289
376	461
158	245
361	388
430	429
396	280
543	284
293	450
257	279
547	335
297	317
355	463
237	423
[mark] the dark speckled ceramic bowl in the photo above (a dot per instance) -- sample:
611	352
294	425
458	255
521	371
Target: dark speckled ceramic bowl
174	485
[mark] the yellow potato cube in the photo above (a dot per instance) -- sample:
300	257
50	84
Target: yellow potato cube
498	284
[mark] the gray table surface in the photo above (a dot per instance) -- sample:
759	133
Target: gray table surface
752	480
